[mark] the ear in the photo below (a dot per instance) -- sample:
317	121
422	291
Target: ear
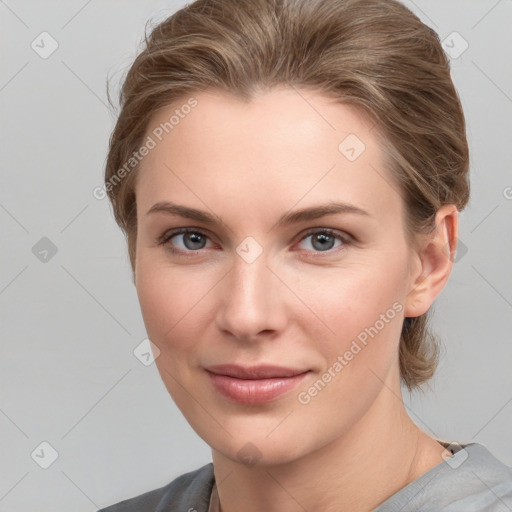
433	262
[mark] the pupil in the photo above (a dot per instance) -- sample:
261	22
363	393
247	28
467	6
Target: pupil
193	238
323	238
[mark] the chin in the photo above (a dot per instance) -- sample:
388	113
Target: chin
257	441
258	452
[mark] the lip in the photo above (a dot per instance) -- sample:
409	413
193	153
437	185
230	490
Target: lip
254	384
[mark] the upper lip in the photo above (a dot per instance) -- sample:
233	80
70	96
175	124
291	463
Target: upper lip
254	372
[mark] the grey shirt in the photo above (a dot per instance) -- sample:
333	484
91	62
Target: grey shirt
472	480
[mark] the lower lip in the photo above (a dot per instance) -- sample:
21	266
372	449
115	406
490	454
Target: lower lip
254	391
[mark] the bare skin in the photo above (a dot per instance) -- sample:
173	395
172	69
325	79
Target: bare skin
299	304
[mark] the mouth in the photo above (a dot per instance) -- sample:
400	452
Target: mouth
254	384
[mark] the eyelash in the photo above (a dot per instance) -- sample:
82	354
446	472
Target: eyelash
166	237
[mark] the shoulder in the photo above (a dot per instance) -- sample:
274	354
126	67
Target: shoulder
489	480
188	491
472	480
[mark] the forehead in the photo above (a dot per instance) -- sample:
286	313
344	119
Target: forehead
285	146
272	120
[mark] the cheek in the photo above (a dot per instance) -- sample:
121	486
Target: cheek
171	310
348	301
363	309
172	302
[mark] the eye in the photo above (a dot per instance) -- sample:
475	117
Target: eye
191	240
186	240
323	240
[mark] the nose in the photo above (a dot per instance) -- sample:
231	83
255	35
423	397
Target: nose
252	301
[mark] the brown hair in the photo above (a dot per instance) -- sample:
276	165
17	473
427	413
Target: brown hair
373	54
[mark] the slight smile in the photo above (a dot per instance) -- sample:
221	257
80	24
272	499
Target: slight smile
254	384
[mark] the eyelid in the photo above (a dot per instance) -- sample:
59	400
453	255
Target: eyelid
166	237
342	235
180	231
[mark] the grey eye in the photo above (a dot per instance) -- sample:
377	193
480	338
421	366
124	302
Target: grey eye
192	241
322	241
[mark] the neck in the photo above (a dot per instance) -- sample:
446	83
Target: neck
376	458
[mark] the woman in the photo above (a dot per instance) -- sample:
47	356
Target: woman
289	175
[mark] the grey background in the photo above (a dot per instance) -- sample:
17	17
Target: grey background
70	324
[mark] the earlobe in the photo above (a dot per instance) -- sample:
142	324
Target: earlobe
436	261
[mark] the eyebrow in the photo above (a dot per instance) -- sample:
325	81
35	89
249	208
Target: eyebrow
304	214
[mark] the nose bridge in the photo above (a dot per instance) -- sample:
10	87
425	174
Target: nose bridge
251	297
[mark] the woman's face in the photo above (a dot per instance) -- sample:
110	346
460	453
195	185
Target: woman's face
278	327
